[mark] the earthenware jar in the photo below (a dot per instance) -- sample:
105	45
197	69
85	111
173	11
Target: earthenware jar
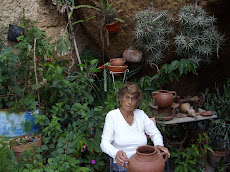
147	159
117	62
164	98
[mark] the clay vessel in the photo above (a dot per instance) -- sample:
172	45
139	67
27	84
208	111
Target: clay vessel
117	62
117	69
164	98
147	159
133	56
184	107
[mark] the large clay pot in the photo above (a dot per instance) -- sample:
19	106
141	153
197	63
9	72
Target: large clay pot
19	149
214	158
117	62
133	56
164	98
147	159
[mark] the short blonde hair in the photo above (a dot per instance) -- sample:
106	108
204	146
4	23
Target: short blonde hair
130	88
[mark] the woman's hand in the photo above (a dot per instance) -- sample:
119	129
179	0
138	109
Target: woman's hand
121	157
164	149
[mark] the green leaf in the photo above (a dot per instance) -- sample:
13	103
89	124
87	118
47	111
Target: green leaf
44	147
29	166
154	77
181	68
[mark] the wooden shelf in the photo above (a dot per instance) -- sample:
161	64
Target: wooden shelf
176	120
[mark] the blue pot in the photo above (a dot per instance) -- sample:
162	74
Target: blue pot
13	125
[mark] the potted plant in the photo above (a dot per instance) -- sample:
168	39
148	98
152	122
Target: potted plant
198	37
219	130
23	143
153	29
110	14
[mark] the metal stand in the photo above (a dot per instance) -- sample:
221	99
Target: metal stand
112	73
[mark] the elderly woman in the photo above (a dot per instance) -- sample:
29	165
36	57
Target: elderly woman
125	128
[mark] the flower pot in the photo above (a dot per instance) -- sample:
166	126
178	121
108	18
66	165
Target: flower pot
214	158
117	62
112	28
117	69
14	125
133	56
164	98
19	149
14	32
147	158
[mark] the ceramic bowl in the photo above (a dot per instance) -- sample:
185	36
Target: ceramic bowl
120	69
207	113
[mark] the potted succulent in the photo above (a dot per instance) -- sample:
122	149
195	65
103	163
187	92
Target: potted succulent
198	37
153	28
110	14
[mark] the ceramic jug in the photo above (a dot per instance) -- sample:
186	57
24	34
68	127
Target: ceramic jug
164	98
147	159
117	62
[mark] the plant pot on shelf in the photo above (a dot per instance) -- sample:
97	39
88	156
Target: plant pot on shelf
117	69
113	27
214	158
117	61
133	56
28	145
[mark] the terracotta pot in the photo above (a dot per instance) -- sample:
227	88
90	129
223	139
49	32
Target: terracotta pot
117	62
19	149
147	159
214	158
119	69
133	56
164	98
112	28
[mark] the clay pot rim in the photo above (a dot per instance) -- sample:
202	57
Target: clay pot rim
149	154
111	24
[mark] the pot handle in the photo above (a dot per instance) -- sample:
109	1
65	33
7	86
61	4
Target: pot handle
111	60
153	93
174	92
125	166
166	156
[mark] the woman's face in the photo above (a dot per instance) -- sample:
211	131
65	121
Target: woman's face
128	102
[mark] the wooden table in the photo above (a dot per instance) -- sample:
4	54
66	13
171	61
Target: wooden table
176	120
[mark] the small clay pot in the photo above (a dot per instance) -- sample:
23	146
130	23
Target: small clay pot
164	98
113	27
147	159
117	62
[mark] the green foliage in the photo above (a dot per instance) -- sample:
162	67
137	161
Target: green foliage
19	91
109	12
169	72
198	37
152	30
218	100
219	130
7	159
189	159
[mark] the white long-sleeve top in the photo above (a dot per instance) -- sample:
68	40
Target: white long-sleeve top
119	135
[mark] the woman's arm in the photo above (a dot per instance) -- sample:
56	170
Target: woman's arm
107	137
